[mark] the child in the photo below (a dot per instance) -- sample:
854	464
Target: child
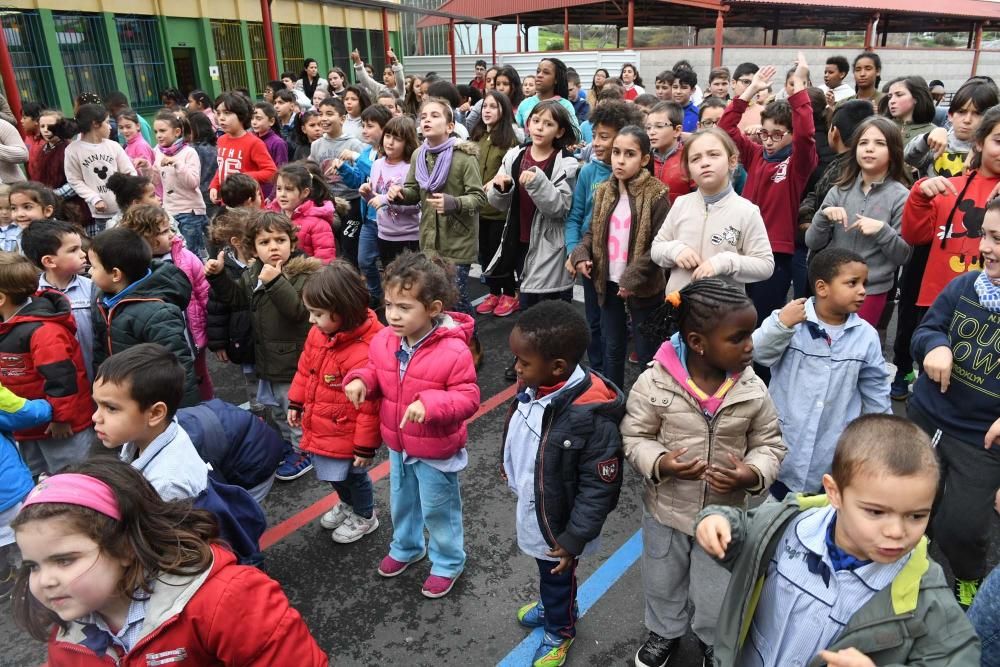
664	124
287	108
305	199
683	87
862	212
202	140
549	83
826	367
421	368
27	201
306	129
834	73
712	231
853	564
140	301
528	86
631	82
664	86
272	288
579	100
136	147
263	122
355	101
48	167
495	135
153	225
239	152
169	560
90	160
398	226
230	329
910	105
178	170
867	78
200	102
341	438
241	191
31	113
559	399
628	212
56	248
718	85
700	376
130	190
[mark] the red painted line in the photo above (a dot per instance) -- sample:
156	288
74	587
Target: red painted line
282	530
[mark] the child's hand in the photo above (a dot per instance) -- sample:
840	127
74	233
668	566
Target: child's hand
704	270
362	462
849	657
395	193
101	206
937	365
565	559
762	79
867	226
501	181
356	57
442	203
213	194
670	465
222	356
347	155
415	412
836	215
214	267
365	190
727	480
390	56
688	259
714	535
355	392
801	68
140	163
167	161
793	313
939	185
831	99
293	417
527	176
993	434
937	140
59	430
270	272
584	266
570	269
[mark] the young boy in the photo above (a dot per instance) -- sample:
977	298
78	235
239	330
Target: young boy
718	84
834	73
287	108
778	169
826	367
57	249
241	191
665	85
664	125
239	151
865	591
140	301
548	342
579	102
42	359
685	81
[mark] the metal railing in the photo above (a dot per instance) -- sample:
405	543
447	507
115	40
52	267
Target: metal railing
145	70
86	54
258	56
229	54
32	68
292	52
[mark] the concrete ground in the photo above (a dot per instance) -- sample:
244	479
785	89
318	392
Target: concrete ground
359	618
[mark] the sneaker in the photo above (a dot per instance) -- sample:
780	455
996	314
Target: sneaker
656	651
707	653
899	390
507	306
552	651
390	567
966	590
354	528
336	516
488	304
633	357
437	587
294	466
532	615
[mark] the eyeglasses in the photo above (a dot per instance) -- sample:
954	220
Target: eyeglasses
745	82
658	126
775	136
708	123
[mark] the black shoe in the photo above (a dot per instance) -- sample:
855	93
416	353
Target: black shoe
708	654
656	651
509	374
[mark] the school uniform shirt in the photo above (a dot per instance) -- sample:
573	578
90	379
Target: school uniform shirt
80	294
88	167
324	150
245	154
840	93
10	238
171	464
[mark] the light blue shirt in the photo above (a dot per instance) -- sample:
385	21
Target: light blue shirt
10	238
800	612
131	631
819	385
80	294
171	464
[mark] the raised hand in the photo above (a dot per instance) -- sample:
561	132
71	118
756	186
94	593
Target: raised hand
214	266
270	272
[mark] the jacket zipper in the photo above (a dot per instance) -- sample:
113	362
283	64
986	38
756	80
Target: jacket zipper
540	483
710	423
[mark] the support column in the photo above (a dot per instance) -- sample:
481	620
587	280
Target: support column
517	26
824	38
10	81
420	41
630	40
697	33
565	28
479	42
63	93
765	37
385	30
493	44
719	37
272	58
115	47
978	47
451	50
885	32
870	31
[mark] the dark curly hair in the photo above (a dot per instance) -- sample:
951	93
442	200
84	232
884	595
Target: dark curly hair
428	279
556	330
697	307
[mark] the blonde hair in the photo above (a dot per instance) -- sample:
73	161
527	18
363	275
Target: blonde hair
18	277
144	220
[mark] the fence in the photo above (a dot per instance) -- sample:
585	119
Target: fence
86	54
229	54
145	70
32	68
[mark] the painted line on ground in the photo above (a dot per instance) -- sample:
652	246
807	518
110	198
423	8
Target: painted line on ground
282	530
596	585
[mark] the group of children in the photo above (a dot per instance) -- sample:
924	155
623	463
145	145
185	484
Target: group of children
339	277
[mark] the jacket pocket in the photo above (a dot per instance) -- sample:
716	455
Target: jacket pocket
656	538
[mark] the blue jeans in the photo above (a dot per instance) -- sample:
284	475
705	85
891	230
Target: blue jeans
614	326
800	273
423	496
192	228
592	309
557	593
984	614
771	294
464	305
357	492
368	258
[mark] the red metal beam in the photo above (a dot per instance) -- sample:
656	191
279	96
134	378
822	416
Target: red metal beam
869	29
265	17
385	30
451	50
493	44
565	28
10	80
630	40
978	45
518	26
717	47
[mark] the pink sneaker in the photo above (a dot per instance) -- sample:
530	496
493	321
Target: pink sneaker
488	304
507	306
390	567
437	587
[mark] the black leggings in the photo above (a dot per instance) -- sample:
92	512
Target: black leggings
490	232
390	250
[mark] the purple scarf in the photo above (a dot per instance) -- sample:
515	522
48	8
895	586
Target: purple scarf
434	181
174	148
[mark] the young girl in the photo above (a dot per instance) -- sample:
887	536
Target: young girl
99	545
305	199
550	83
356	100
136	147
178	169
341	438
628	210
631	82
307	128
398	225
534	185
864	210
421	368
230	330
130	190
337	80
91	160
264	121
280	321
712	231
202	140
868	77
528	86
700	429
910	105
199	101
30	201
495	135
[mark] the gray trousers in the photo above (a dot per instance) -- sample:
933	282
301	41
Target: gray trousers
50	455
675	572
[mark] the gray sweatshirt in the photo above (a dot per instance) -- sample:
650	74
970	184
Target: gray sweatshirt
884	252
324	150
919	155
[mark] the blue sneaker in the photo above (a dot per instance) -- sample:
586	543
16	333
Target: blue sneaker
294	465
552	651
532	615
899	390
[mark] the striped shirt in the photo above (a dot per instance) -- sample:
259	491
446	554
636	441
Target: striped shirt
131	631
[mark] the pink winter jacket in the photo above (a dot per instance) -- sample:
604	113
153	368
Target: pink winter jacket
314	229
440	375
197	310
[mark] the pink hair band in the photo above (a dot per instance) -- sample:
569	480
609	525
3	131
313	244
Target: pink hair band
76	489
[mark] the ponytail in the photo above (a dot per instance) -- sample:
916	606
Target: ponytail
698	306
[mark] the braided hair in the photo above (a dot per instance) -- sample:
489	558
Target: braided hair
698	306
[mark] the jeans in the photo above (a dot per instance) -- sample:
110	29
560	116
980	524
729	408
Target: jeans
557	593
614	325
350	229
592	310
464	305
192	228
356	490
771	294
50	455
423	496
985	618
909	313
368	256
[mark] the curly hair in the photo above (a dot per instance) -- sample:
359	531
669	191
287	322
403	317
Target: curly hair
428	279
556	330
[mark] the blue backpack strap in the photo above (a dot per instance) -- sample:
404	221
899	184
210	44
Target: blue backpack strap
209	438
241	520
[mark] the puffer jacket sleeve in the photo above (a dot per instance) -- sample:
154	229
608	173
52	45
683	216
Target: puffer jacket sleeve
765	448
217	316
307	360
52	350
317	240
198	307
166	326
286	299
231	292
17	414
552	198
640	429
739	522
459	399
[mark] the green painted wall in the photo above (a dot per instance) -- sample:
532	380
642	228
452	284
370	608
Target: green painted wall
193	34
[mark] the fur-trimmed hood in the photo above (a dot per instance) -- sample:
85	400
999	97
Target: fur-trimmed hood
468	147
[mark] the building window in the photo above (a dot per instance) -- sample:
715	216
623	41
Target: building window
145	69
377	57
292	53
258	56
86	55
32	68
340	56
229	54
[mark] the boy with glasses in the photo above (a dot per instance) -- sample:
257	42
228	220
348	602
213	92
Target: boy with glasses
663	126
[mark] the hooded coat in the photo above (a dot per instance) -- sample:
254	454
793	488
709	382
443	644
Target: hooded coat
313	229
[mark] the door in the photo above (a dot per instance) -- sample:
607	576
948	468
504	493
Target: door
184	68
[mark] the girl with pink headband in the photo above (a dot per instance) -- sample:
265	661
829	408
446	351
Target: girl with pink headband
111	571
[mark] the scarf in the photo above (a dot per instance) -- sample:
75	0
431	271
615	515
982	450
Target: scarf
711	200
434	181
672	355
989	293
309	86
174	148
779	155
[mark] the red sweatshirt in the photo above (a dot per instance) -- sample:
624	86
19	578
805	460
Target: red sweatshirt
670	174
243	155
777	187
953	251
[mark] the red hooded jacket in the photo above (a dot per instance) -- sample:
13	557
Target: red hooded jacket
41	358
670	174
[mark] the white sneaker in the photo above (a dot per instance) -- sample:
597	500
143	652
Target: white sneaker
354	528
336	516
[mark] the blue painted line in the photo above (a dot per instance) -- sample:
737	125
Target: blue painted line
587	596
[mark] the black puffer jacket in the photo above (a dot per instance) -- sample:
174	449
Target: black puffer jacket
578	469
230	328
